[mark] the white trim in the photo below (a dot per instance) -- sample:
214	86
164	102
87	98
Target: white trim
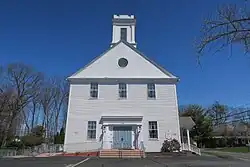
67	120
121	116
177	114
122	123
127	80
188	138
158	134
96	132
121	120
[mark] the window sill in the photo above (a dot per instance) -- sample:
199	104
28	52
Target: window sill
121	98
153	139
93	98
91	140
151	98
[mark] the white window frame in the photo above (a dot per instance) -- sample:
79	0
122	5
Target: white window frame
151	90
151	129
89	128
93	90
122	89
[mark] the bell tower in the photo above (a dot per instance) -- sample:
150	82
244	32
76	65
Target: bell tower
123	29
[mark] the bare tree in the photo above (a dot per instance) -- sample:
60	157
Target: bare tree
218	113
22	80
230	25
35	105
60	100
46	97
7	106
32	109
29	98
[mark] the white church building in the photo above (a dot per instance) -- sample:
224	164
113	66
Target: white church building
122	99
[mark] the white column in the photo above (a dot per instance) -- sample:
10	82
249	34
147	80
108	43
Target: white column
133	34
113	34
182	135
133	136
140	137
107	138
188	138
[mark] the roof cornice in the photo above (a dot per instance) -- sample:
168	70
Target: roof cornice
126	80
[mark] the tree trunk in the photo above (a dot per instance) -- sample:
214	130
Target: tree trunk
33	115
6	131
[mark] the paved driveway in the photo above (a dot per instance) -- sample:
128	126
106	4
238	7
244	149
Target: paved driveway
165	162
147	162
240	156
40	162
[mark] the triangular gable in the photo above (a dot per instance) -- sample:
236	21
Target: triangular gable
106	65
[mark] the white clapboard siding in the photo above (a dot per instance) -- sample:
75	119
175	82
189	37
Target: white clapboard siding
106	65
82	109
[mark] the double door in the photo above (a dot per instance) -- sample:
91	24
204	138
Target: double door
122	137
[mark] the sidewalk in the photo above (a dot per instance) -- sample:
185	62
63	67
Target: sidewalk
17	156
39	155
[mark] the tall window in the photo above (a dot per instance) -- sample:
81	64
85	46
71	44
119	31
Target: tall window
153	130
124	34
151	91
122	90
91	129
93	90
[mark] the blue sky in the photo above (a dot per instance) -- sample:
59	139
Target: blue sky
59	37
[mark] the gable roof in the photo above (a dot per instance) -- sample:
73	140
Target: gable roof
132	48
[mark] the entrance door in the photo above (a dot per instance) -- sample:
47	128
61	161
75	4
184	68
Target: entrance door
122	137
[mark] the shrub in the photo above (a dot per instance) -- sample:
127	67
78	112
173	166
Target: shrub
170	146
31	141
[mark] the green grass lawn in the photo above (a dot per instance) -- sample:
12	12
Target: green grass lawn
234	149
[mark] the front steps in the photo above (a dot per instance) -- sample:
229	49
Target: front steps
115	153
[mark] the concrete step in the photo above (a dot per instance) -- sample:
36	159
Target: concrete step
121	154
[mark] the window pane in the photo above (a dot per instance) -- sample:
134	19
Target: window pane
151	94
94	94
153	134
91	134
93	86
151	86
91	124
123	94
153	125
122	86
94	125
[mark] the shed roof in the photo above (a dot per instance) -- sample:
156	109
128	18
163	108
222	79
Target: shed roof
186	122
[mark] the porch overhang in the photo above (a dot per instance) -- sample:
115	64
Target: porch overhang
187	123
121	120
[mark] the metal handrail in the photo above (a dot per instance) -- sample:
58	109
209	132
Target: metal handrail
192	148
142	148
